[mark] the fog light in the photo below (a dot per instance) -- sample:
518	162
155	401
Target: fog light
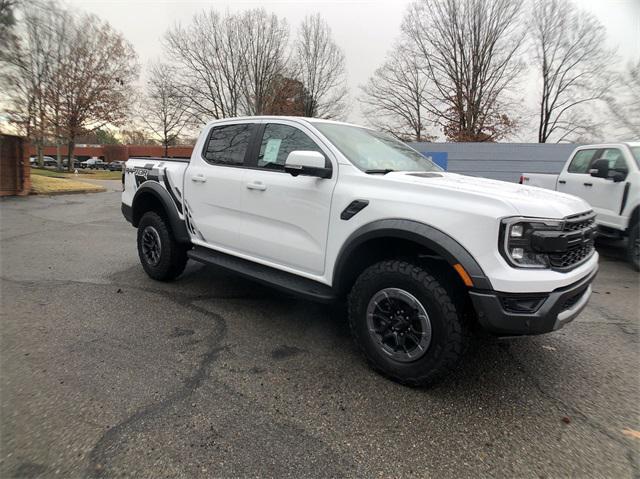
518	304
517	253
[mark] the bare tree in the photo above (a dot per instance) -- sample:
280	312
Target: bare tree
394	97
27	69
165	109
7	21
573	65
209	58
264	39
97	71
320	66
469	52
57	76
624	103
229	65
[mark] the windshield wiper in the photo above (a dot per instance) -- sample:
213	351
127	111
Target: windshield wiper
380	171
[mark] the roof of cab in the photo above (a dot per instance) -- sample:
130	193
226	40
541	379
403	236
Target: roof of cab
302	119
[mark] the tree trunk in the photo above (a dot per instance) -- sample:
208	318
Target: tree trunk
58	155
166	149
39	153
71	146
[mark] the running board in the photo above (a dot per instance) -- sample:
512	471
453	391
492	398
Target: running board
282	280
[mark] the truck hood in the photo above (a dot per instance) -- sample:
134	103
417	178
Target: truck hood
525	200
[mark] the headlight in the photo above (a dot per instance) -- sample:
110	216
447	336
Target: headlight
516	245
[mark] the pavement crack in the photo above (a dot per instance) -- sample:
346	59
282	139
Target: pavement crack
112	440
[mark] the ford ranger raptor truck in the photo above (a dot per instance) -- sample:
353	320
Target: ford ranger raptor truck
332	211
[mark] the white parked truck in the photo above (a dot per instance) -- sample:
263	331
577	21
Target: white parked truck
333	211
607	176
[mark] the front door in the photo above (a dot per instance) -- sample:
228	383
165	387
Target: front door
287	217
575	178
605	195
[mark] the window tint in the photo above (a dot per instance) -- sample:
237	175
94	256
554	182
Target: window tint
228	144
280	140
581	161
615	158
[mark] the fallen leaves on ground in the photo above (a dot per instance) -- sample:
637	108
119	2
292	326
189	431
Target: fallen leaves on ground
631	433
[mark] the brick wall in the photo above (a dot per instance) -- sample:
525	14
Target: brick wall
117	152
15	171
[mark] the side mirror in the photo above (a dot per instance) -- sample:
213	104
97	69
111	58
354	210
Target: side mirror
308	163
617	174
600	169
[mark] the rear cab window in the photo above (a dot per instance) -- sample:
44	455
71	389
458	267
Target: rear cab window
227	145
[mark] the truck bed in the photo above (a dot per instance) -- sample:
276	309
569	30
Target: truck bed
541	180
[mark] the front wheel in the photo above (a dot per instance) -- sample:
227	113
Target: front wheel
406	324
633	247
162	257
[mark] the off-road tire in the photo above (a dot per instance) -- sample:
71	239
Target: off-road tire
450	331
632	245
173	255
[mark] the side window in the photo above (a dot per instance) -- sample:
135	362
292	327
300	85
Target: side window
615	158
228	144
280	140
581	161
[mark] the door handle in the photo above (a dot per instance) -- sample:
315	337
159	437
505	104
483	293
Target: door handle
256	185
588	184
562	182
199	178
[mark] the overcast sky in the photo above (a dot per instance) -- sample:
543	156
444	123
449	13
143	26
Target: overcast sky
365	29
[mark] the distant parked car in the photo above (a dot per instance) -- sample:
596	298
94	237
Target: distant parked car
115	165
76	163
94	164
47	161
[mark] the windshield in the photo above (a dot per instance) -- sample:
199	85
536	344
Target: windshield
374	152
636	154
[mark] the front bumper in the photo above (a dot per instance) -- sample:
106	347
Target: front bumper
553	311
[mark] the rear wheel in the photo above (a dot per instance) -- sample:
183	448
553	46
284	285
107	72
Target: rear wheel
162	257
633	247
406	324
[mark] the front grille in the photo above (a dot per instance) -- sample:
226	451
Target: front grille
581	221
580	232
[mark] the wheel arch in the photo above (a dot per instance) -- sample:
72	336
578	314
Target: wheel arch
151	196
386	238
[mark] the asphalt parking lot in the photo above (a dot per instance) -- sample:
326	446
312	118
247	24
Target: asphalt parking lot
106	373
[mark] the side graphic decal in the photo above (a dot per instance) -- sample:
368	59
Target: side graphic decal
190	223
169	187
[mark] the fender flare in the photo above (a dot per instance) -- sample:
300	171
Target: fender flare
150	187
420	233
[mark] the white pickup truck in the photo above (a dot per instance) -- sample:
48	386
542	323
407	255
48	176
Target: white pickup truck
332	211
607	176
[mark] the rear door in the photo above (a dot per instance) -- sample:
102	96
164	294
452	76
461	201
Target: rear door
213	185
287	217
